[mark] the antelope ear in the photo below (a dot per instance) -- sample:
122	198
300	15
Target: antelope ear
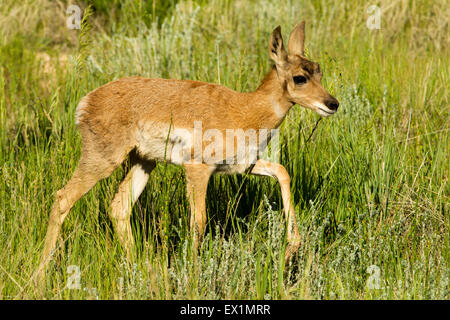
276	48
297	40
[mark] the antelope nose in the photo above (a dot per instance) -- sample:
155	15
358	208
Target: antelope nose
332	104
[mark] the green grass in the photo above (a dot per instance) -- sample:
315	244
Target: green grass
370	188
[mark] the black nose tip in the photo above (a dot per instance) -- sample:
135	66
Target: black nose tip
332	104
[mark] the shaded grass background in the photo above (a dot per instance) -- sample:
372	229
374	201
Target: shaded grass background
370	188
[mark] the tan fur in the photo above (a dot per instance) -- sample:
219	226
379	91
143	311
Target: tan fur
145	117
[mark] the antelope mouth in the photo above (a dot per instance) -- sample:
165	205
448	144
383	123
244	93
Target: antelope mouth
323	110
328	111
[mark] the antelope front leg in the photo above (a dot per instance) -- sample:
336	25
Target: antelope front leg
265	168
197	177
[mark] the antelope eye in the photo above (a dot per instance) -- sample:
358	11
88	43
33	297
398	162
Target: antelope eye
299	80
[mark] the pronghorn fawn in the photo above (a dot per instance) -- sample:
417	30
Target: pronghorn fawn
146	120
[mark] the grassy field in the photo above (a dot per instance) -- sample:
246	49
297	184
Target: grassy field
370	187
